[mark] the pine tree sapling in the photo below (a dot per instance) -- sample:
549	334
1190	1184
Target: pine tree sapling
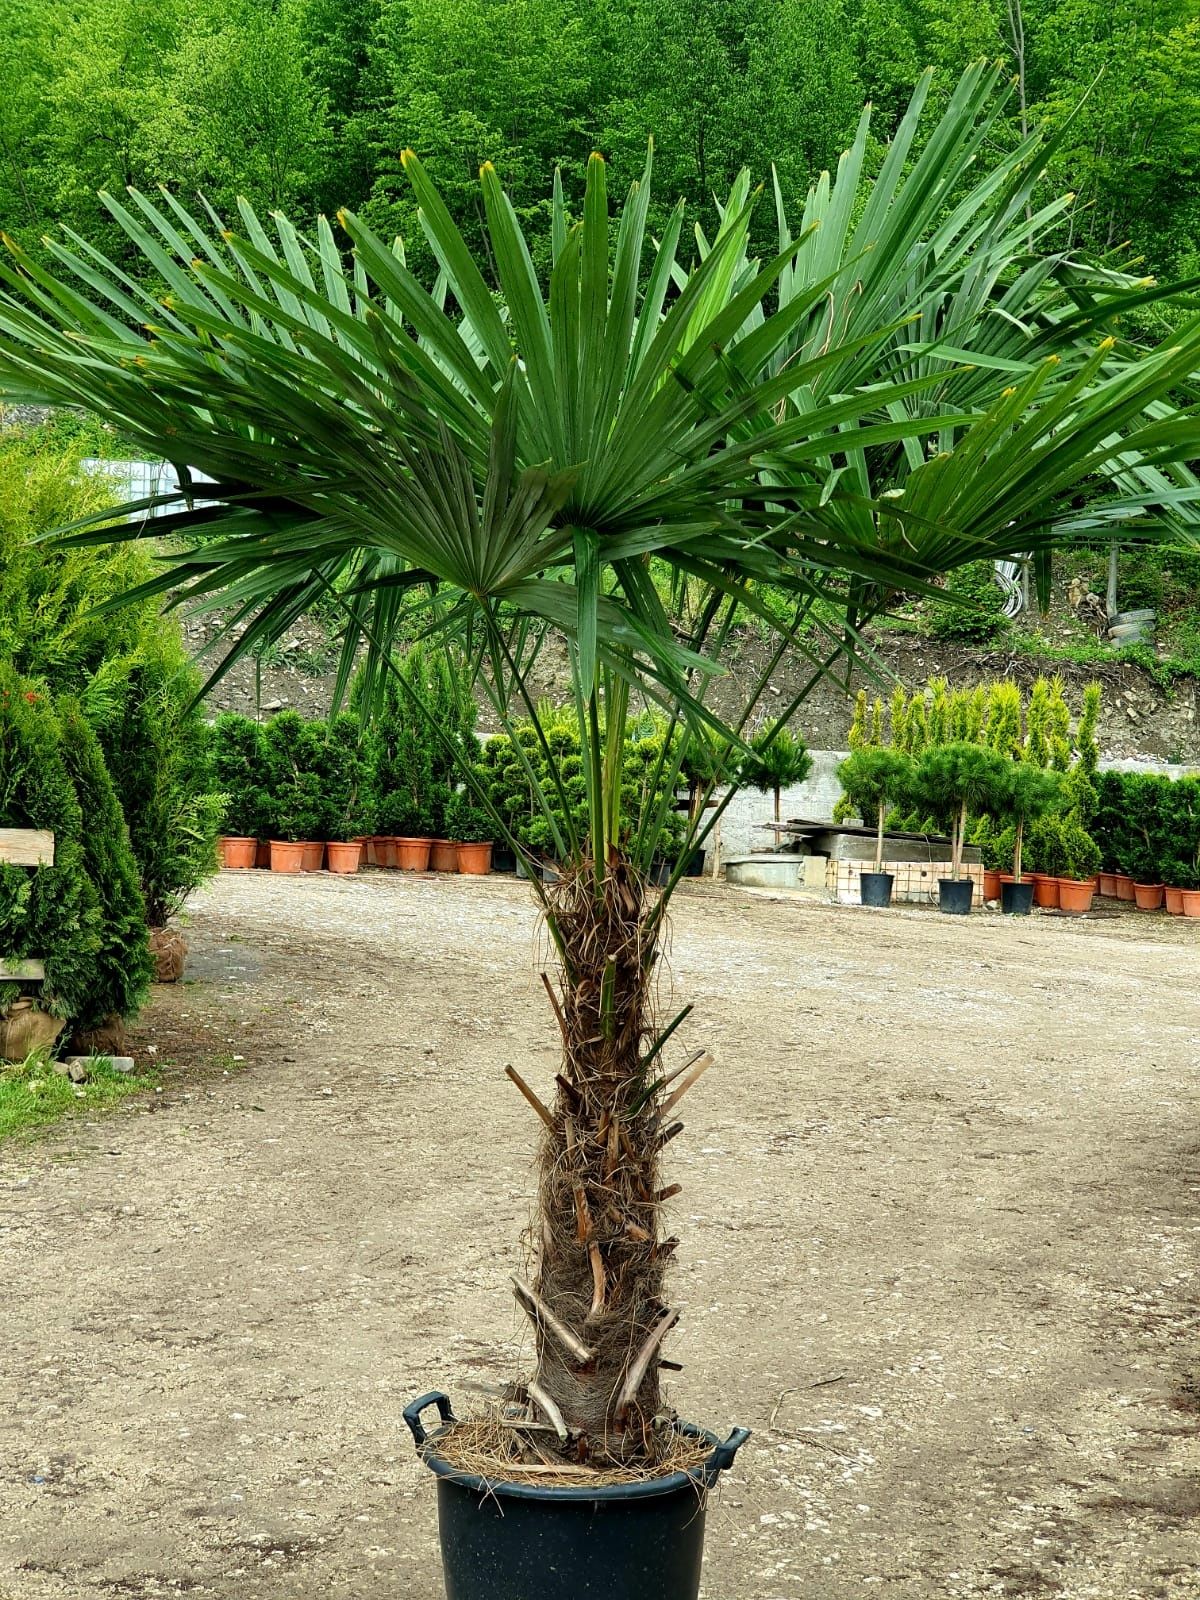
296	805
780	758
876	778
953	780
1024	794
342	776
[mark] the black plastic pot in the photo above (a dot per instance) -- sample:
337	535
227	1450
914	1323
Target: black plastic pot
695	866
954	896
516	1541
876	888
503	858
1016	898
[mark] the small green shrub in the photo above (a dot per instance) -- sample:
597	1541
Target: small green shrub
156	745
780	758
342	773
54	911
296	807
122	967
979	617
467	822
239	764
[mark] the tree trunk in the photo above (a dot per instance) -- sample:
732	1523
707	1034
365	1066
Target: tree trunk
879	842
598	1305
956	844
1017	850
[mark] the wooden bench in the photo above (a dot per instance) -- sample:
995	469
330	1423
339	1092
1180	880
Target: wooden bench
25	847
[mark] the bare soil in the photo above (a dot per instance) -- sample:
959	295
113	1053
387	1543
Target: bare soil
940	1250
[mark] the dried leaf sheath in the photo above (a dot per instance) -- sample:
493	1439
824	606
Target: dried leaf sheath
600	1270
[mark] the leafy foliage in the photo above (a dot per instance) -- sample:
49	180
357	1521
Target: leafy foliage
294	759
978	616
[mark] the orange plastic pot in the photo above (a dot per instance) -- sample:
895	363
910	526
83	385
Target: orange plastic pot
1148	896
286	856
343	857
991	885
1191	902
1075	895
1108	885
443	855
238	854
1045	891
1174	901
314	854
1124	886
411	855
475	859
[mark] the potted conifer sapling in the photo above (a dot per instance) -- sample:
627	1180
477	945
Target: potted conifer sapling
874	779
951	781
1026	793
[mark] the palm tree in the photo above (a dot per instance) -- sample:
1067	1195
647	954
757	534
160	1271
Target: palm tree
505	461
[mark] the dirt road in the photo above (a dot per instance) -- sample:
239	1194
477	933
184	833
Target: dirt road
941	1251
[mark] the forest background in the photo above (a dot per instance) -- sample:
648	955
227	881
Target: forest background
307	104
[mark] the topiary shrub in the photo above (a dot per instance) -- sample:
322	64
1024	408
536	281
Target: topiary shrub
121	965
342	772
296	806
780	758
239	766
978	618
156	745
53	912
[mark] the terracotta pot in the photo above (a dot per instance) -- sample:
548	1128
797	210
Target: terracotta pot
343	857
263	857
1174	901
443	855
314	855
286	856
1045	890
385	851
25	1027
412	855
1075	895
1108	885
237	854
1008	877
1191	902
168	947
367	841
475	859
1148	896
1124	886
991	884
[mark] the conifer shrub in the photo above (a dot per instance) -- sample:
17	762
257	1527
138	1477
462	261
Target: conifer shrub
239	767
121	966
53	912
157	747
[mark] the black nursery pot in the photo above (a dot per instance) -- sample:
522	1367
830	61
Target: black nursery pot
695	866
503	858
516	1541
876	888
1016	898
954	895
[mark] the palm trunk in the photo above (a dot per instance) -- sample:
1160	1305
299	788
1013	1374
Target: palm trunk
597	1299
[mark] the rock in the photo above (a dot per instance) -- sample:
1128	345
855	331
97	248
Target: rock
76	1070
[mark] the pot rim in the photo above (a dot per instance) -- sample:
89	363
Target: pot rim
703	1475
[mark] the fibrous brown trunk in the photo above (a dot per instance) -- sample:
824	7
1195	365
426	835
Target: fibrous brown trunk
597	1297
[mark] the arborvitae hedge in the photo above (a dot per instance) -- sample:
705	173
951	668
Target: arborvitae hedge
52	912
123	967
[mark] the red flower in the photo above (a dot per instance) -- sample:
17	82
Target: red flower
30	696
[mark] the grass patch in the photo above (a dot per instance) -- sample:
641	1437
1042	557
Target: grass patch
32	1094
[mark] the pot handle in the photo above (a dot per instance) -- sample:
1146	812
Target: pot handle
722	1457
412	1414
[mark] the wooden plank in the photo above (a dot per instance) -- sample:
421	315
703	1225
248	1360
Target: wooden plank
30	971
27	847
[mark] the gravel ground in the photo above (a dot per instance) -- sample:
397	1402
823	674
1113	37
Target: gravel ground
939	1251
